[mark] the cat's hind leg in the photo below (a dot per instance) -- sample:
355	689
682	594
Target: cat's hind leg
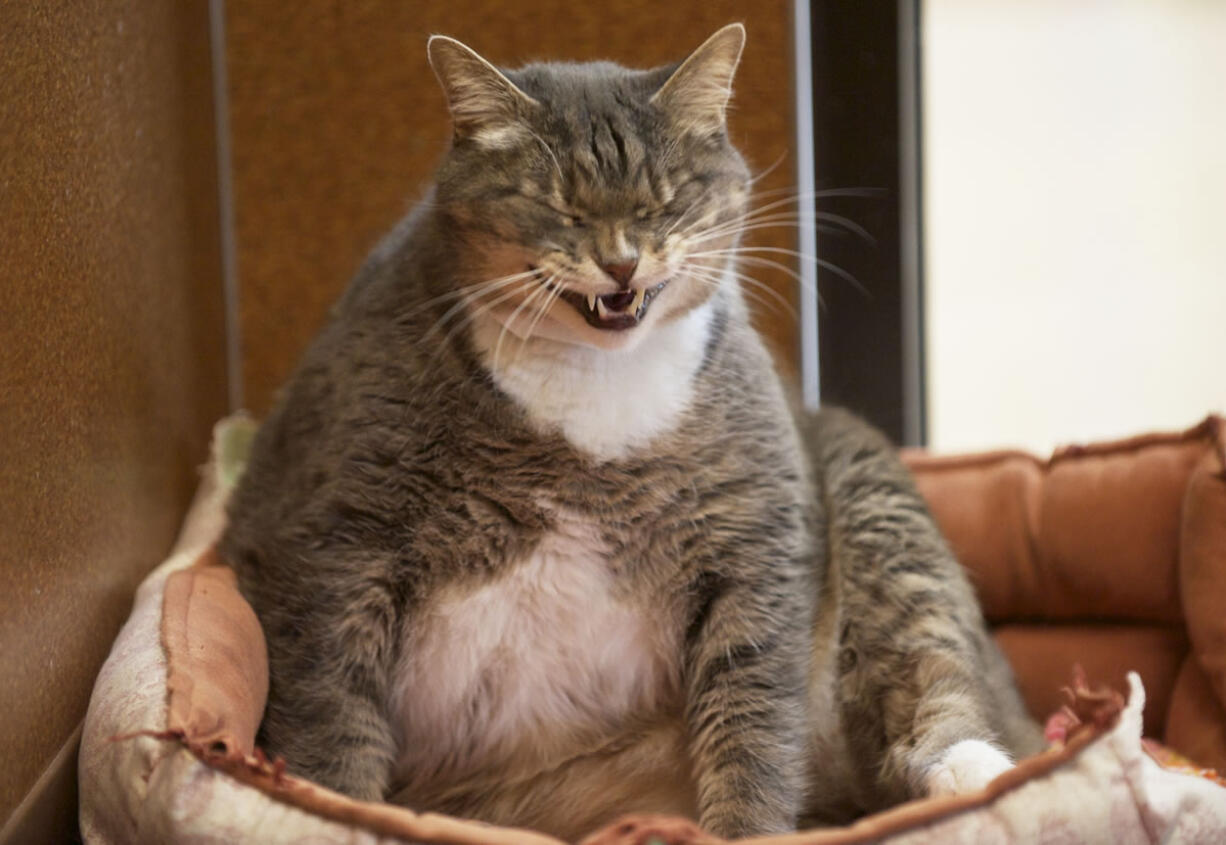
924	696
920	718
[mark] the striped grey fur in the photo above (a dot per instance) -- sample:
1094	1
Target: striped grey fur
806	649
916	670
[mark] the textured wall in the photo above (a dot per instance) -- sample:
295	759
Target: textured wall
338	123
111	367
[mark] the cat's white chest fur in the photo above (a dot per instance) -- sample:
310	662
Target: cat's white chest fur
529	667
606	402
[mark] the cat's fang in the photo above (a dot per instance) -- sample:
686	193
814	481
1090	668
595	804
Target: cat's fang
591	302
638	300
600	308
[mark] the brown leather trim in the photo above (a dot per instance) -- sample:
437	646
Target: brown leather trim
926	812
1212	429
216	660
269	777
920	460
388	820
1092	714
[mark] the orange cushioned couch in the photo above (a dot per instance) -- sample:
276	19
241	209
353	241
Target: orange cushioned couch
1112	556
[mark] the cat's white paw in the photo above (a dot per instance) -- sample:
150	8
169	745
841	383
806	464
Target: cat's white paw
967	766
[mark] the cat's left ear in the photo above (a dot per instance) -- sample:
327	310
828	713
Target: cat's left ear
696	96
485	105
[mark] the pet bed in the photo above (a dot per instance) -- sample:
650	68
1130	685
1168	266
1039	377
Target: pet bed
1111	555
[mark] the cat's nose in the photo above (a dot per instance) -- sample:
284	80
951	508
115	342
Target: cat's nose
621	272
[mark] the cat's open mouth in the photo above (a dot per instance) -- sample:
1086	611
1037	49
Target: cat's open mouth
613	311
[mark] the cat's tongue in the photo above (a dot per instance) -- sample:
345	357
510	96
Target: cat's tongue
619	301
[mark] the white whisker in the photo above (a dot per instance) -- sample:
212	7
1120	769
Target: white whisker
555	294
459	306
477	288
755	179
514	314
775	208
825	193
548	149
739	254
752	296
680	218
549	300
473	315
780	219
714	276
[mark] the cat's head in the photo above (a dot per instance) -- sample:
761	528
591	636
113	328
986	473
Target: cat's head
592	201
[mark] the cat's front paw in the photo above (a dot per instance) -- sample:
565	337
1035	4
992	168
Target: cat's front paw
967	766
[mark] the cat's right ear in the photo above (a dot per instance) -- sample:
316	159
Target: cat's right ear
696	95
485	106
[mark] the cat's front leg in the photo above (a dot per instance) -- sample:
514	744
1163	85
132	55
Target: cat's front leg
327	710
745	688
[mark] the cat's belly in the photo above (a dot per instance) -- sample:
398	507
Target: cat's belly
545	669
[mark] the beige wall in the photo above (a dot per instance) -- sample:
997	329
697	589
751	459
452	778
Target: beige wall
337	124
1075	196
111	337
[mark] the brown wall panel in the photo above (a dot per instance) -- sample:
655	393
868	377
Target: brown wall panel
337	124
111	336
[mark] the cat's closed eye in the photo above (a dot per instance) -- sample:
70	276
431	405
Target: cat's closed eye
569	217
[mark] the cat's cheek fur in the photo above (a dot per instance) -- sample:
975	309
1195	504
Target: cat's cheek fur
967	766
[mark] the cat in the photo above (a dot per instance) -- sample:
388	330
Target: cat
533	535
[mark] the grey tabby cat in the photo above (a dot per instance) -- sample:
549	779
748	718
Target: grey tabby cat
531	531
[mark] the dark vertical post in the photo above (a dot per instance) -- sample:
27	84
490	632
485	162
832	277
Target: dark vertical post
865	64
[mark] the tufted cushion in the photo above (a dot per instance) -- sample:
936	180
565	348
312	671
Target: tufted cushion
1111	555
